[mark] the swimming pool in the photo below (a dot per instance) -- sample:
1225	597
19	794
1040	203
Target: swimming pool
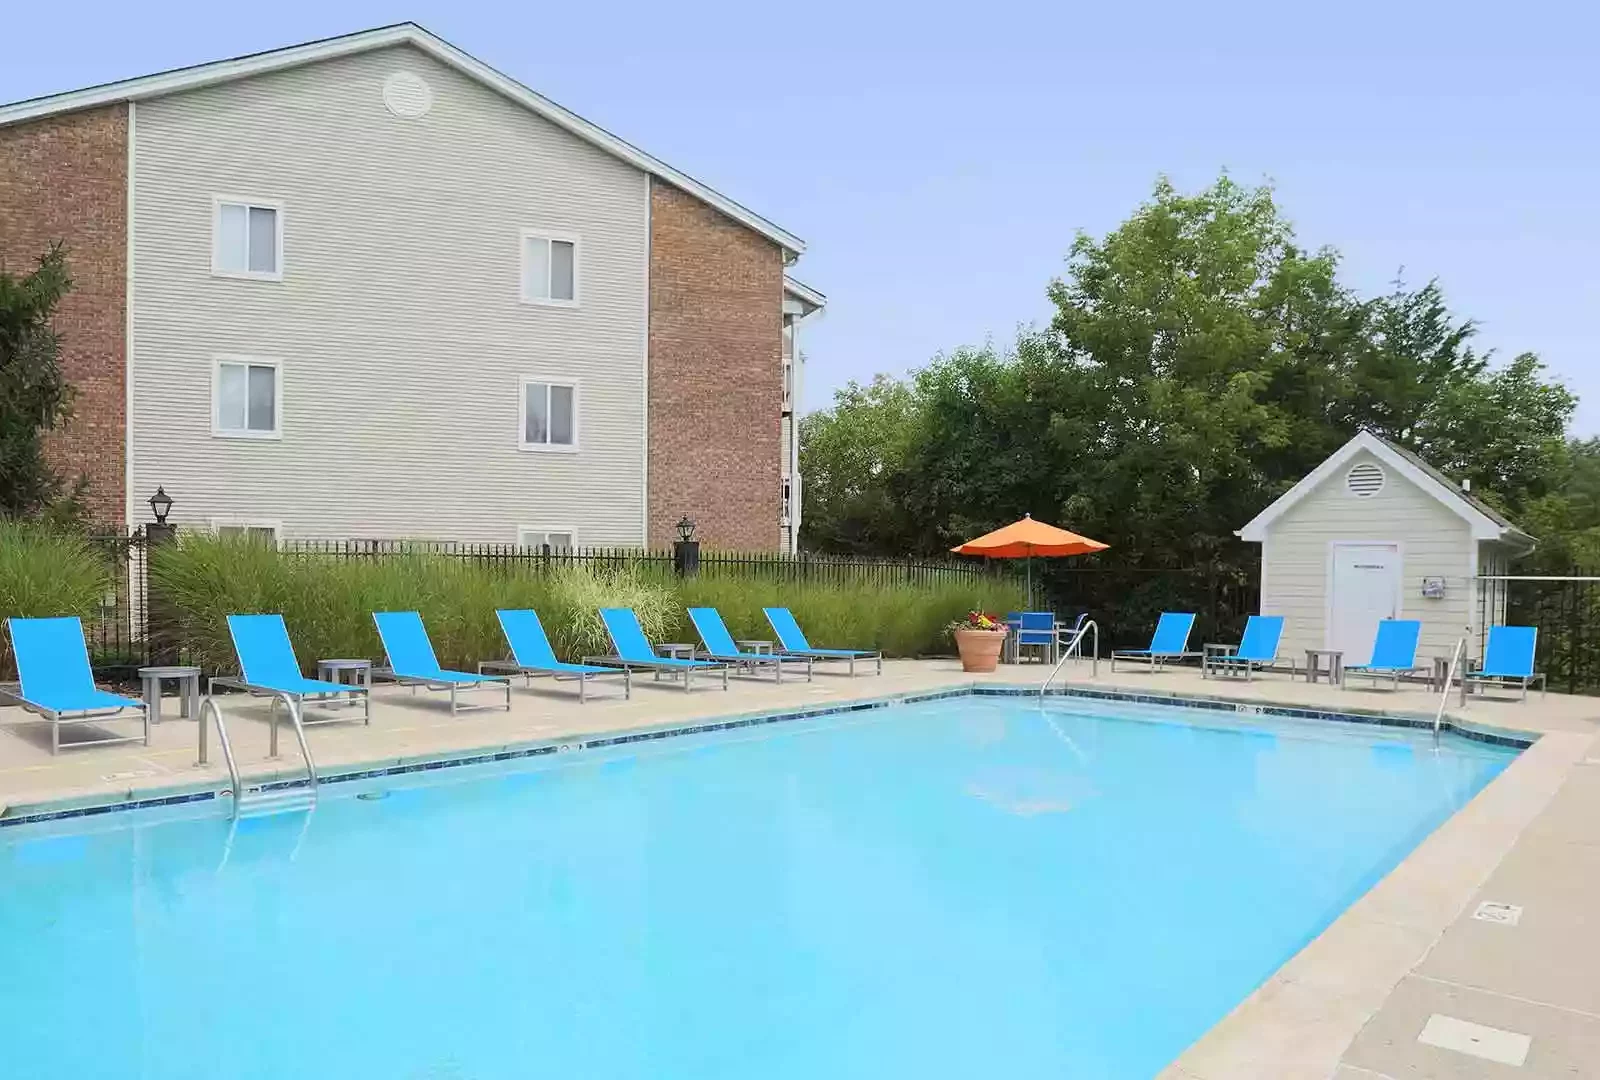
972	886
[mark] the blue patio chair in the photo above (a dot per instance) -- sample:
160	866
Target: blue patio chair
1394	652
791	642
633	649
58	684
531	654
1037	630
1508	661
267	666
412	661
1169	642
1258	648
720	646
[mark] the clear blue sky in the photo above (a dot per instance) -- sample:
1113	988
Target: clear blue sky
938	159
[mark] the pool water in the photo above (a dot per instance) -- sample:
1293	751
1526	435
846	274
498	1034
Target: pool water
973	886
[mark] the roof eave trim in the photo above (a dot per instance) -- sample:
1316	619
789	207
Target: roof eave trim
150	86
1483	527
810	299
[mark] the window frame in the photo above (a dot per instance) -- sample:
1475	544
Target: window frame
522	414
548	236
545	531
236	359
217	270
217	524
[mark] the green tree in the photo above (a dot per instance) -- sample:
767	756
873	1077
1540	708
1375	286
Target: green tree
853	458
1200	361
34	396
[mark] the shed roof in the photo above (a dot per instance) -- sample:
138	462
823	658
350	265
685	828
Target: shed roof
1486	522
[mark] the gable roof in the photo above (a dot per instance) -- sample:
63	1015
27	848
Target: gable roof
1486	522
240	67
803	297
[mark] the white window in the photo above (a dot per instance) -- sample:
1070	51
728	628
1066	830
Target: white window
247	239
536	538
785	500
263	532
549	415
549	269
246	402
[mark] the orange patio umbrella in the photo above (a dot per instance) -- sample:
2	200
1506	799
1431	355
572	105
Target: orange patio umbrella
1026	538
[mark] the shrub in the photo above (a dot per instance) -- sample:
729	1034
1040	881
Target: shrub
45	573
327	602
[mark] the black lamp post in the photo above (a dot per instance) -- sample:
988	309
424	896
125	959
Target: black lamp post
161	505
686	552
162	640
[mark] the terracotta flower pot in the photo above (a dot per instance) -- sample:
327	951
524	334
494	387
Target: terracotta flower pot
980	649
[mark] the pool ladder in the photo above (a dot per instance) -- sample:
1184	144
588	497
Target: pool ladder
259	802
1074	648
1449	678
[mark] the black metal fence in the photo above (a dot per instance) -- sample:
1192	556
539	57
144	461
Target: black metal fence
117	635
1566	609
1125	602
825	569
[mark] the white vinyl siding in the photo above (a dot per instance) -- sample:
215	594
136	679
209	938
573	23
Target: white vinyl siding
399	320
1434	542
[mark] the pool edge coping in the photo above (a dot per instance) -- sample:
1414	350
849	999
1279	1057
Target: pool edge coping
198	791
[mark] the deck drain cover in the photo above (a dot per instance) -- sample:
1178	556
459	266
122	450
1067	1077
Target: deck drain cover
1505	914
1465	1037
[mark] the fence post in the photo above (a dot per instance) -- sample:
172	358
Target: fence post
686	557
161	624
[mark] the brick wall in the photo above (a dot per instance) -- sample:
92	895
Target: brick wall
65	178
716	375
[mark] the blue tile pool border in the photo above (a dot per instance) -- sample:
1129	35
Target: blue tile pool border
1512	739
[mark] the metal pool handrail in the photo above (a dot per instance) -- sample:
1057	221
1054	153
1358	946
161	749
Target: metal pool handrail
1073	646
210	704
1449	679
239	801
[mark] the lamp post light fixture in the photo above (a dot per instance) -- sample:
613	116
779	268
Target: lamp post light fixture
686	528
161	505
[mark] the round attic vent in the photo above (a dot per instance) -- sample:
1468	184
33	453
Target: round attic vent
407	94
1364	481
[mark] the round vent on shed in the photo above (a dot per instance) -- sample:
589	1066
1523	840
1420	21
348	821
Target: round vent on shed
1365	480
407	94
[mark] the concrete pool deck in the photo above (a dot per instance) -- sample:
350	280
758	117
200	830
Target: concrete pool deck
1406	962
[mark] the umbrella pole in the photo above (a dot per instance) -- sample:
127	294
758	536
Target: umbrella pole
1030	582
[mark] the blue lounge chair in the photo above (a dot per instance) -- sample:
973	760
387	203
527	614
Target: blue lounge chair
1169	642
267	666
1257	648
1508	661
791	642
531	654
1394	652
633	649
412	661
720	646
57	683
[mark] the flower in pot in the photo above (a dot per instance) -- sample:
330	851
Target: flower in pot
978	639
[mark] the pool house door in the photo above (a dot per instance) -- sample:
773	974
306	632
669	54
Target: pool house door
1363	587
